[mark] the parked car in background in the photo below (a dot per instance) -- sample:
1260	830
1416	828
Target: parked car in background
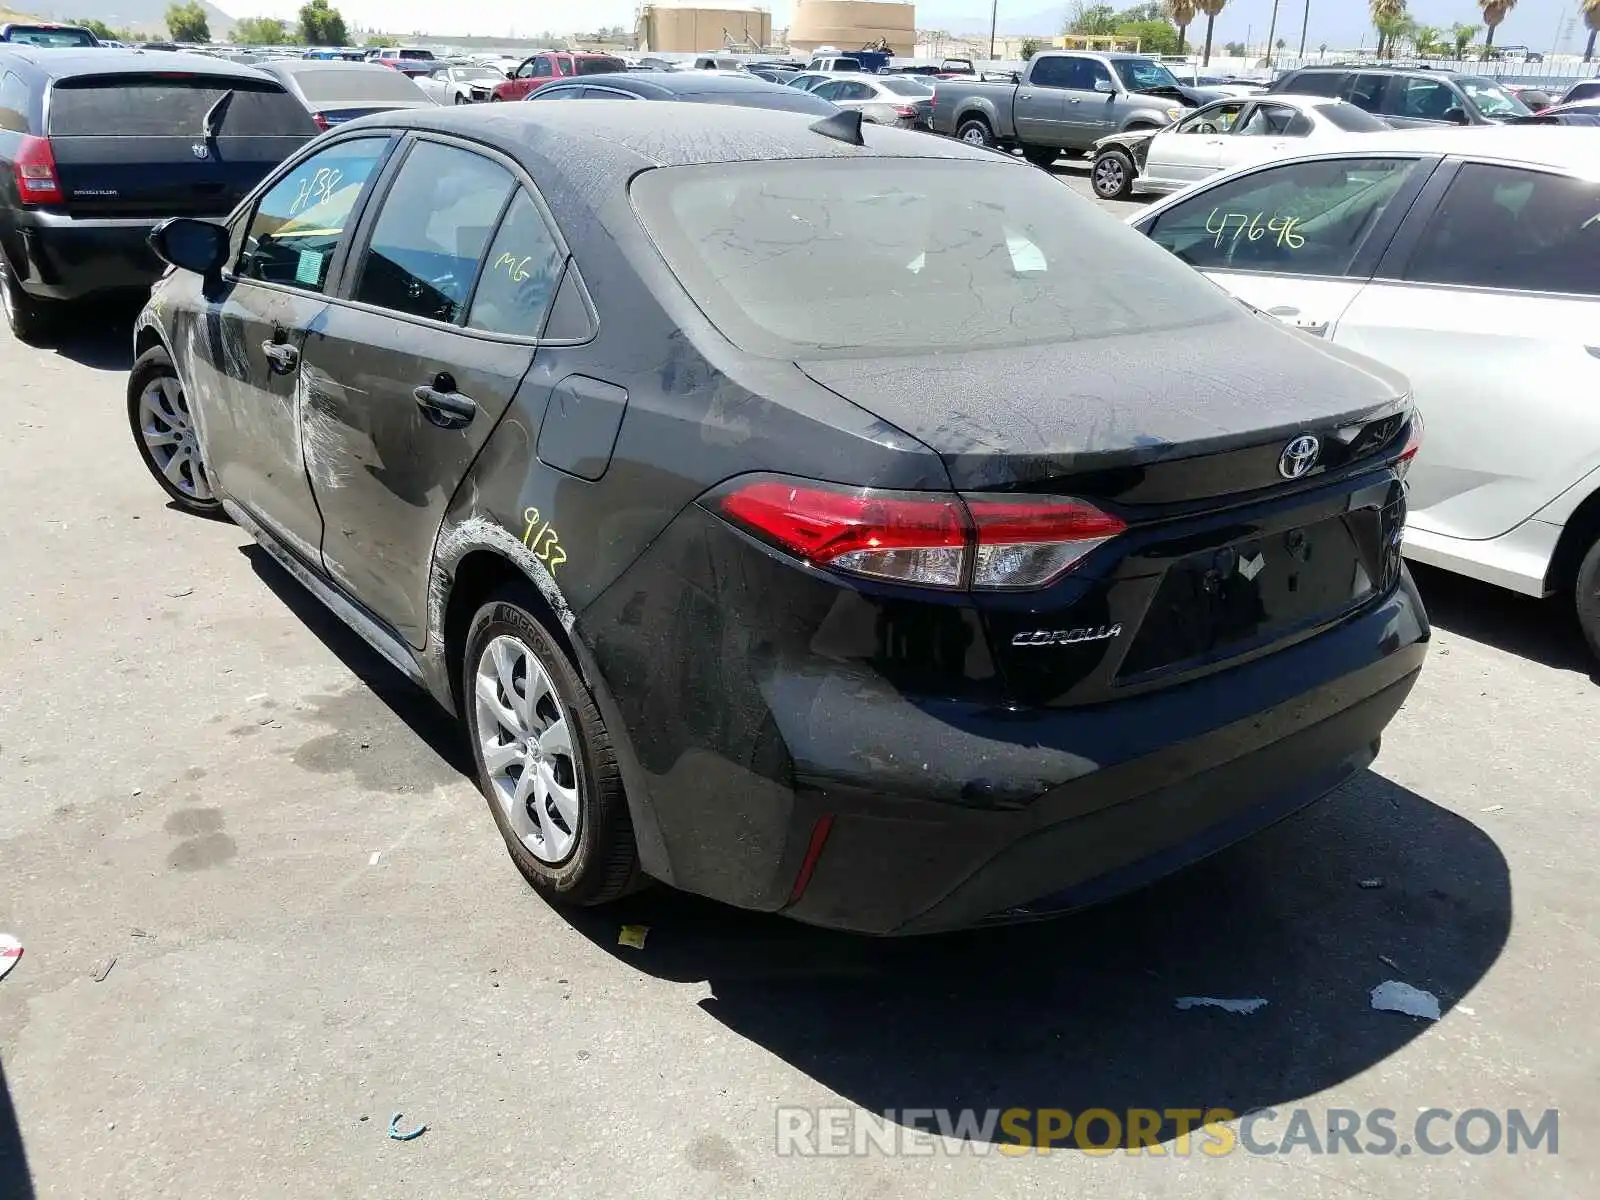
1471	264
1219	137
882	99
1536	98
44	34
1584	89
1066	101
1579	112
409	60
335	92
806	81
1224	85
694	87
98	145
717	62
613	433
1408	97
833	64
460	84
548	66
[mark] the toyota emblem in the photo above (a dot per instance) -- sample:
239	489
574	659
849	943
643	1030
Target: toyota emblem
198	149
1298	457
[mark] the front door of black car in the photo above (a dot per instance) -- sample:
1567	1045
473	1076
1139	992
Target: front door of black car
251	337
416	363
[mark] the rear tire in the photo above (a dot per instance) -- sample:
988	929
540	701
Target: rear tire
975	131
1041	156
553	786
1112	174
1586	597
29	319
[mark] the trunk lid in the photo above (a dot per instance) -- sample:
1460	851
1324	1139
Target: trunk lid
139	145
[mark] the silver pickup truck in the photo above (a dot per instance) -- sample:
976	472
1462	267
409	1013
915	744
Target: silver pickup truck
1066	100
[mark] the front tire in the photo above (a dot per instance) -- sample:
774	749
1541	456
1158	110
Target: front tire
164	430
544	759
1586	597
1112	174
975	131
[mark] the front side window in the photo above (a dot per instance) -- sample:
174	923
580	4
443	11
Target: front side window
1214	118
298	225
1504	227
1365	91
1301	218
519	276
1425	99
819	257
542	67
431	232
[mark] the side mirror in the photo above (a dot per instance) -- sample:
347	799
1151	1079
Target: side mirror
191	245
1456	117
1106	86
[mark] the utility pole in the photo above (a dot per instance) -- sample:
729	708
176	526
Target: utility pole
1305	22
994	24
1272	32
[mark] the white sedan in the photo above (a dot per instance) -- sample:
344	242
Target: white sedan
1468	260
1218	137
456	85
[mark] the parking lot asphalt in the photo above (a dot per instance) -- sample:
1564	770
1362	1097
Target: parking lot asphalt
264	910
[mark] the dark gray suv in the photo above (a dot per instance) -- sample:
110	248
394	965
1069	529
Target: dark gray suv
1408	97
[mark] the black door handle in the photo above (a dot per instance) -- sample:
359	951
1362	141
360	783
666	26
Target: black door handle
443	405
281	358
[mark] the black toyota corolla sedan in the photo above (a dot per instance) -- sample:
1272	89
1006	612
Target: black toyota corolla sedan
870	531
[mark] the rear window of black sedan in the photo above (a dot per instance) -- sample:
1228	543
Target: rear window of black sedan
820	257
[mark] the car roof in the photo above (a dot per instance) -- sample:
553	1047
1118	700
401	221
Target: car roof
1565	148
616	138
67	62
674	83
299	66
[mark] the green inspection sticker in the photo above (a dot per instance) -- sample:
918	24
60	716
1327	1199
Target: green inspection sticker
309	269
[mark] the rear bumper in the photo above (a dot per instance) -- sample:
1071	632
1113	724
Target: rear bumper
57	257
751	735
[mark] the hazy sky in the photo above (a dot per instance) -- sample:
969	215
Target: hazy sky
1340	23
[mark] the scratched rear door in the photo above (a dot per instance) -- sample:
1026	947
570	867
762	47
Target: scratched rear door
139	144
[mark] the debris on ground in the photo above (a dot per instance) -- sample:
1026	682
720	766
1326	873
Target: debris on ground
376	855
1242	1007
1393	996
634	935
104	969
140	933
10	952
1493	808
1388	962
1374	882
403	1135
181	593
1462	1008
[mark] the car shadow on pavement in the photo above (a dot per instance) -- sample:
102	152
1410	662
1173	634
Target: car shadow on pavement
1543	631
15	1181
98	334
1372	884
435	727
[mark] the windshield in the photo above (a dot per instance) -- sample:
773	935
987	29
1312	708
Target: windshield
356	83
905	87
1492	99
826	257
1140	74
43	35
465	73
418	55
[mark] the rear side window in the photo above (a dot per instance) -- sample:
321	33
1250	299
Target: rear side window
13	103
824	258
520	275
375	83
1300	219
1503	227
298	224
600	66
432	232
1350	118
1058	72
162	106
1366	91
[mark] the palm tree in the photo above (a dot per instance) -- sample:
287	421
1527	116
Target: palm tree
1212	9
1182	13
1591	18
1428	41
1462	35
1494	11
1384	13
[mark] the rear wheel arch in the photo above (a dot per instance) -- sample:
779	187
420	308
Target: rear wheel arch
1580	531
476	576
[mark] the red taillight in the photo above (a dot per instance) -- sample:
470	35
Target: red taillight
320	121
904	110
927	539
35	166
1413	444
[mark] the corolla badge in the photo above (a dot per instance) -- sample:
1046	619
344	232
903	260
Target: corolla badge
1299	456
199	150
1067	637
